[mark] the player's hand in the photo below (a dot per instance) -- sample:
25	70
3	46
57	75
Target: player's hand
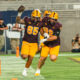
46	35
43	40
21	8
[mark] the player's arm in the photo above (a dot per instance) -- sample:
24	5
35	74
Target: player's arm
51	38
18	18
55	35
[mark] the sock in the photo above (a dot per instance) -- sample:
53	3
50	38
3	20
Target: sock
19	14
25	69
38	71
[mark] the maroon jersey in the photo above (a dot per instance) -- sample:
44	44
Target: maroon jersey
51	29
31	30
45	19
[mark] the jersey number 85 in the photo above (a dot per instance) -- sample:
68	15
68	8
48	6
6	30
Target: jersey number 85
32	30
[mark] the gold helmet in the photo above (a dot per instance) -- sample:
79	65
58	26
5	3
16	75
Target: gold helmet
46	12
54	15
36	13
38	10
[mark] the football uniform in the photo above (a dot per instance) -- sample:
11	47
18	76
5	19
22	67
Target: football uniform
30	39
51	47
44	20
41	37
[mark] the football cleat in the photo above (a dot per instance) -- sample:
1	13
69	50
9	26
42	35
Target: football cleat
24	73
37	74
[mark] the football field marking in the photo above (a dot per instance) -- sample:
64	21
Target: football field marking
12	69
77	59
0	67
75	54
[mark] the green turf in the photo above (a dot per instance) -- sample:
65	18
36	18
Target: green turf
62	69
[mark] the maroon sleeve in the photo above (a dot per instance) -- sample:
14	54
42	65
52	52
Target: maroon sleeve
58	25
26	19
40	25
45	19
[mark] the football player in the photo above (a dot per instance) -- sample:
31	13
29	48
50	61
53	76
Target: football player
46	15
44	20
30	39
51	42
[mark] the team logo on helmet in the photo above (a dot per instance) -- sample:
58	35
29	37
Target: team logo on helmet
54	15
36	13
46	12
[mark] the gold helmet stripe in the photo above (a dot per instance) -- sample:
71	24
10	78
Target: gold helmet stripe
54	14
36	13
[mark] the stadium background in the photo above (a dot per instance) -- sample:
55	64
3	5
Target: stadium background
68	10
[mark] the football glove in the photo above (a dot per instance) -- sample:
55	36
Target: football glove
21	8
46	35
43	40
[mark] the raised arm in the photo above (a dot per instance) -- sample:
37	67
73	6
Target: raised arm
20	11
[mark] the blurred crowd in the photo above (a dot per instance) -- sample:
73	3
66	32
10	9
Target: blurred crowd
76	43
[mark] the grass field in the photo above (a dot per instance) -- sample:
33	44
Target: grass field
63	69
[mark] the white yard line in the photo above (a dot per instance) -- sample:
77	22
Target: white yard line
73	54
38	55
12	67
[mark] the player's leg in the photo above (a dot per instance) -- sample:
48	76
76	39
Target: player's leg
40	64
53	57
29	62
44	54
32	51
27	65
24	54
24	50
33	47
54	53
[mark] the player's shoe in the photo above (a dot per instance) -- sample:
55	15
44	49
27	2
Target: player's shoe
24	73
37	72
